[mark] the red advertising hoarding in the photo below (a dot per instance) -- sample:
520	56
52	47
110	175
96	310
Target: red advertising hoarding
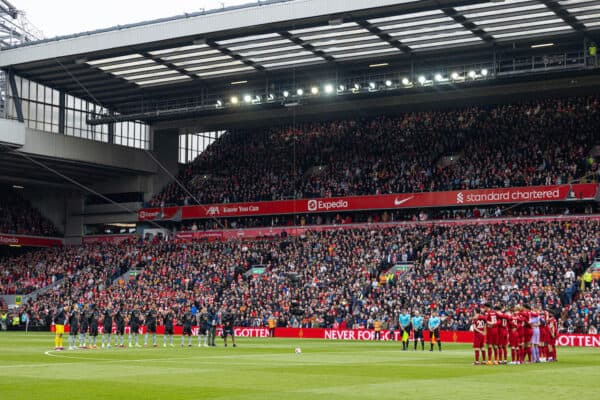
109	238
458	198
29	241
565	340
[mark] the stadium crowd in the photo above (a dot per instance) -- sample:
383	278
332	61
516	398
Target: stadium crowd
86	265
341	278
545	142
17	216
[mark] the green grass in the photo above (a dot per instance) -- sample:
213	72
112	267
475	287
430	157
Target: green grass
269	369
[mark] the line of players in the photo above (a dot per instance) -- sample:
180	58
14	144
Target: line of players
530	334
84	325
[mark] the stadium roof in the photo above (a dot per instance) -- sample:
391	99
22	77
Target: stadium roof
273	38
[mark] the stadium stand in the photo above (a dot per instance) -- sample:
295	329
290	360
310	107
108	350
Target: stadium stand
17	216
117	128
538	143
341	278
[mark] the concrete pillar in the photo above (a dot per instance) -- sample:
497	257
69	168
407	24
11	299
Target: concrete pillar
166	147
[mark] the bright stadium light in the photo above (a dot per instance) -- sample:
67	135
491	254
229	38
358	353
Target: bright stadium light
472	74
455	76
438	77
341	88
484	72
299	92
286	93
247	98
372	85
314	90
422	79
537	46
329	88
405	81
388	83
234	100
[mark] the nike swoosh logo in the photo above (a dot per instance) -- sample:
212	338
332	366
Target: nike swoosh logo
400	202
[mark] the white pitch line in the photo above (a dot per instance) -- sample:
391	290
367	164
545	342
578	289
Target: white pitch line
49	353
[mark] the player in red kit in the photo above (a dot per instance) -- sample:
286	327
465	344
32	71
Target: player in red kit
527	333
552	332
503	322
492	335
479	326
515	334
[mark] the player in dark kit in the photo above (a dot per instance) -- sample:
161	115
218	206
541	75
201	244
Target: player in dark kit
202	328
93	317
213	321
83	328
120	323
168	320
134	327
228	322
107	321
74	325
150	327
187	321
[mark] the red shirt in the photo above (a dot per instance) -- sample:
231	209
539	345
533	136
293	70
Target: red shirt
492	319
480	323
516	322
503	321
525	317
553	326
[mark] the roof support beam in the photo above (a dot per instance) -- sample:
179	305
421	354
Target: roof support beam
307	46
385	37
16	98
62	104
566	16
234	55
167	64
469	25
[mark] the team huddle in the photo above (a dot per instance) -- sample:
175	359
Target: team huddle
84	327
530	334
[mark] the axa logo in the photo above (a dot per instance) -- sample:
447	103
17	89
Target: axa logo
398	202
312	205
460	198
213	210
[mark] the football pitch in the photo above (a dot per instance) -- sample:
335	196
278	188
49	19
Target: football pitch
270	369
